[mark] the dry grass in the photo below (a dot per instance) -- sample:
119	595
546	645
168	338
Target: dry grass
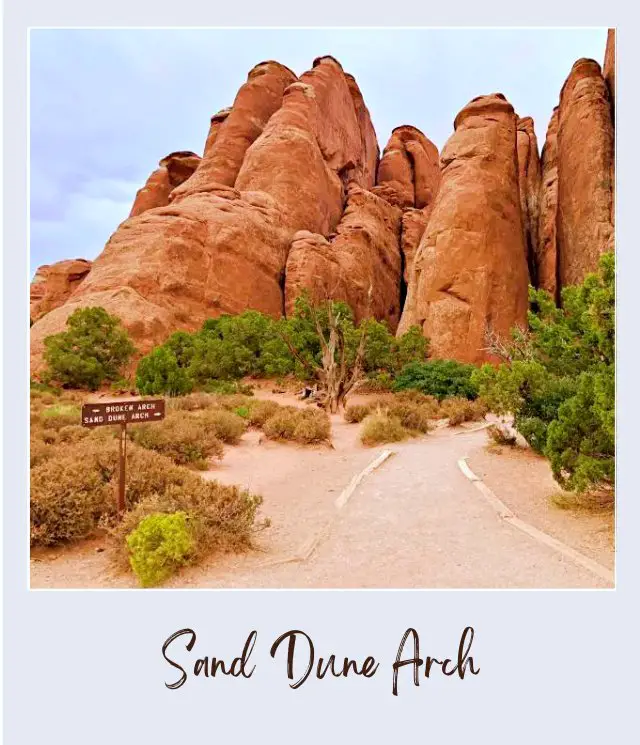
460	410
71	492
187	440
414	412
225	425
593	502
379	428
357	412
307	426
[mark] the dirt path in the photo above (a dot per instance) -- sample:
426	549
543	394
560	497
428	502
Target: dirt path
416	522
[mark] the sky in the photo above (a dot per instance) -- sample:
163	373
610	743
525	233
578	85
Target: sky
107	105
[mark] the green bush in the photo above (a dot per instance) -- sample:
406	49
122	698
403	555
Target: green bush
438	378
560	382
94	349
159	546
160	374
230	347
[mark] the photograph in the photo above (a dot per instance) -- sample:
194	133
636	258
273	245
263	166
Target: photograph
322	308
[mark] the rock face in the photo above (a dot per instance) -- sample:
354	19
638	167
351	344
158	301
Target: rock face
279	162
547	256
470	274
409	170
585	173
291	195
529	186
173	170
53	284
609	68
360	264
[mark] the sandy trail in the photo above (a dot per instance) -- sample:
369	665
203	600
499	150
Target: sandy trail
416	522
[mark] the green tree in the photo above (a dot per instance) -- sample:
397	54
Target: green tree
94	349
439	378
559	380
160	373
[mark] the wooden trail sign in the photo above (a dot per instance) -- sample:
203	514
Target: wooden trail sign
122	413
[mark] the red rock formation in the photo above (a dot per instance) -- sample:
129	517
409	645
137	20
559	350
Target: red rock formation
529	185
276	164
52	284
255	103
174	170
585	173
409	171
216	123
362	257
609	68
470	275
546	255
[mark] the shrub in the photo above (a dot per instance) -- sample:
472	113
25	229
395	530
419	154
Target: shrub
60	415
225	425
355	413
500	434
414	417
306	426
72	433
39	451
261	411
560	381
92	350
160	374
186	440
221	518
376	382
412	346
380	428
71	493
439	378
159	546
312	426
282	424
193	402
459	410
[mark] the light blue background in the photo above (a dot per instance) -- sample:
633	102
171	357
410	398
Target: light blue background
86	667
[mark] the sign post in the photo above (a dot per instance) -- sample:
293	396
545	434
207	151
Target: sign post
122	413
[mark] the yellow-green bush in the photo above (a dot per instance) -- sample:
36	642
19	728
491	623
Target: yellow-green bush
222	518
159	546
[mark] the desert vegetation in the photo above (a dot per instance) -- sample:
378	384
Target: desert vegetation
558	381
319	343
